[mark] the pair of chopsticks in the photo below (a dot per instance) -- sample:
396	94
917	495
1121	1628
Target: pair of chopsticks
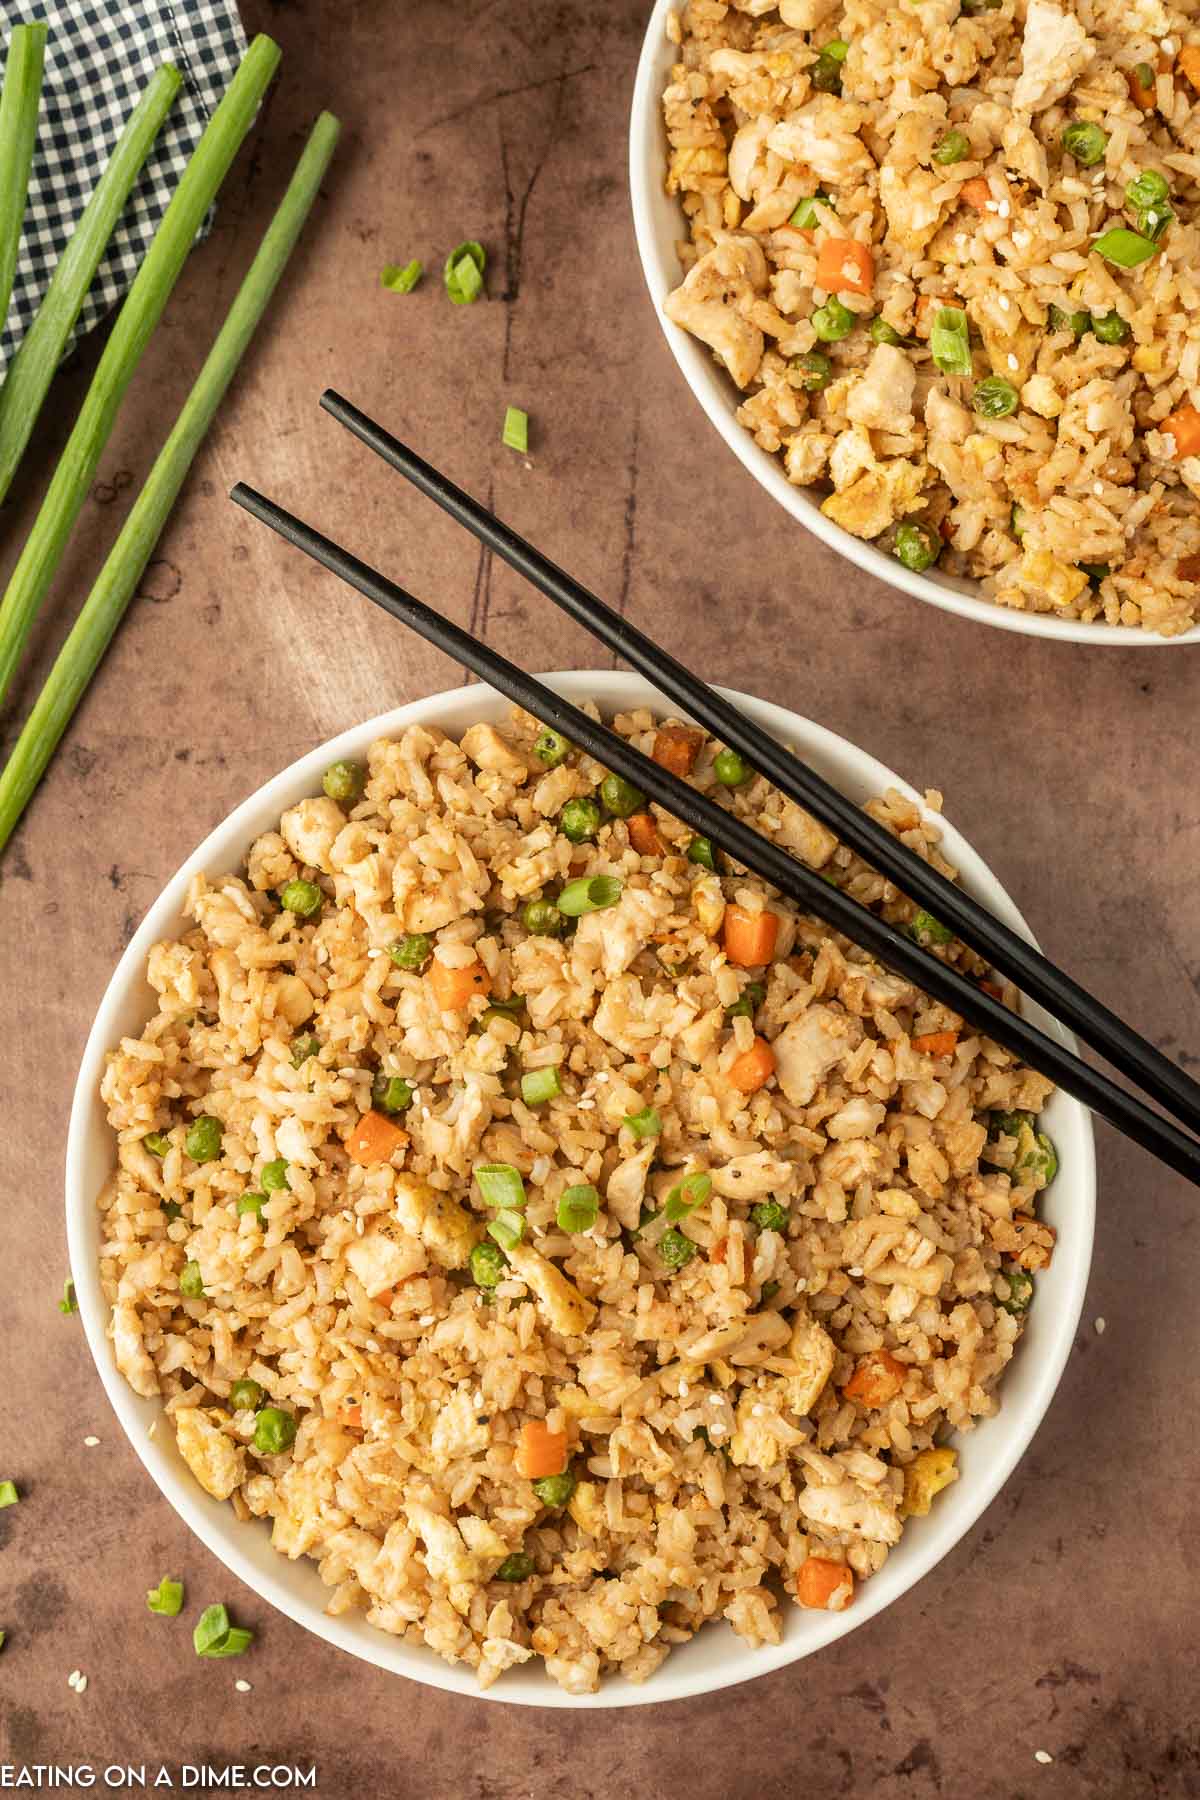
1123	1047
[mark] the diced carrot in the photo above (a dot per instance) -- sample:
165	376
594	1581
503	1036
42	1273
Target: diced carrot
384	1298
750	936
719	1251
1184	427
927	305
1189	62
1188	568
845	266
676	748
374	1139
452	988
351	1418
936	1043
992	988
540	1451
825	1586
643	835
877	1379
1141	96
754	1067
976	192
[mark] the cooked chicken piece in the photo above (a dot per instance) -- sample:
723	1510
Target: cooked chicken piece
309	830
611	938
1054	50
445	1228
813	1349
859	1118
745	155
450	1560
807	457
293	999
912	212
877	499
809	1048
853	455
488	750
129	1348
627	1185
1100	409
565	1307
799	831
824	138
1041	396
176	973
381	1259
711	305
218	1464
847	1508
882	397
946	419
750	1177
457	1430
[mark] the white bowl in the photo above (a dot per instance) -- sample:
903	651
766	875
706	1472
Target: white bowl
716	1658
659	224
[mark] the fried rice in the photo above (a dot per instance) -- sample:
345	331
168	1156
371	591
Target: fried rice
931	134
716	1379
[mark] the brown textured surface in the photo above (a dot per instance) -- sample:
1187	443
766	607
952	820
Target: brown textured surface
1066	1621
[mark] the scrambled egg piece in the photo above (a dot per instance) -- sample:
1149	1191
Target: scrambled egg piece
381	1260
877	498
1038	572
925	1476
587	1508
458	1430
564	1305
218	1464
813	1349
444	1227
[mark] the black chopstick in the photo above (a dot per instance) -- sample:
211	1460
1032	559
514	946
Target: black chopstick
1004	948
729	834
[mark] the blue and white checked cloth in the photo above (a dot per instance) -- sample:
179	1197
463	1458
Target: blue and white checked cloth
100	54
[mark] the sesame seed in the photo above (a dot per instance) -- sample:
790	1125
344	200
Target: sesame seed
1168	45
684	1390
991	206
81	1685
1012	361
856	1272
91	1442
1042	1756
1004	209
1004	303
1099	1326
243	1687
1098	487
72	1678
425	1319
756	1412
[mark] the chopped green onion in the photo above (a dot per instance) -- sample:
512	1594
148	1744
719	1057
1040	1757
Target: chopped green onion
538	1085
949	341
191	1281
916	545
157	1143
301	898
236	1642
805	215
551	747
399	280
508	1228
952	147
488	1264
675	1249
1123	247
412	951
42	348
275	1176
578	1208
768	1215
813	369
517	1567
344	781
925	929
729	768
1020	1291
20	102
68	1304
620	797
1084	141
542	918
515	435
589	894
995	398
833	321
213	1635
700	851
644	1124
501	1185
1152	221
390	1093
303	1049
8	1493
166	1599
690	1193
837	48
76	469
579	820
880	332
464	272
203	1141
247	1395
1017	518
274	1431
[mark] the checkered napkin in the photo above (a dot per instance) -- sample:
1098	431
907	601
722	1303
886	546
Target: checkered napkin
100	54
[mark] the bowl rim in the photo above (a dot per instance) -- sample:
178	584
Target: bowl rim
712	388
234	1544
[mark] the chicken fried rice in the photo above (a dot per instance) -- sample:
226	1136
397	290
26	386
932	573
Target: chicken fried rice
544	1226
946	249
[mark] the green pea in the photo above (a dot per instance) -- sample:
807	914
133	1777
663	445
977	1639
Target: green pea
275	1176
157	1143
952	147
390	1093
274	1431
303	898
252	1203
172	1209
488	1263
729	768
769	1291
191	1281
551	747
675	1249
1148	189
412	951
1077	322
814	370
926	929
833	321
542	918
304	1048
1110	328
995	398
555	1490
768	1215
1020	1291
916	545
880	332
1084	141
344	781
517	1567
621	797
203	1141
700	851
247	1395
579	820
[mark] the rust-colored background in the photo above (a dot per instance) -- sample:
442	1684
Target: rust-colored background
1067	1620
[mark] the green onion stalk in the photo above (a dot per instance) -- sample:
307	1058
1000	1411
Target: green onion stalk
119	578
19	103
135	323
32	368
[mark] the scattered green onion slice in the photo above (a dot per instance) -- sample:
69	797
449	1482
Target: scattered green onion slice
578	1208
1017	518
215	1636
172	1209
166	1599
157	1143
538	1085
68	1304
687	1195
748	1001
995	398
1123	247
805	215
191	1280
515	435
644	1124
1084	141
508	1228
1020	1291
949	341
8	1493
401	280
501	1185
1077	322
700	851
464	272
237	1641
590	893
1096	572
925	929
